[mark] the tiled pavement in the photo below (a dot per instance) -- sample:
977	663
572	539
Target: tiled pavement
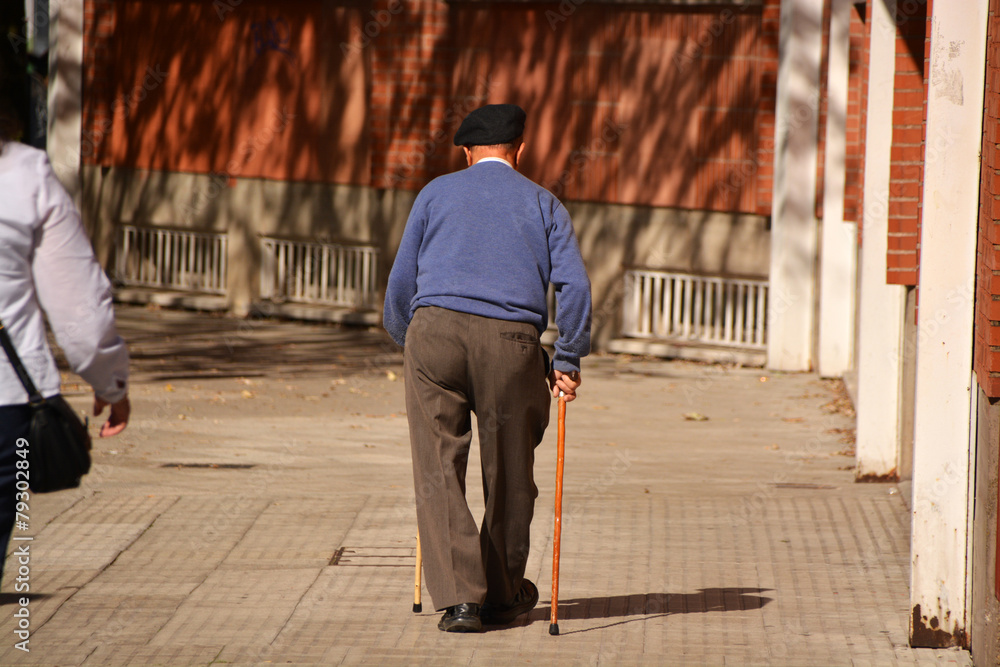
259	451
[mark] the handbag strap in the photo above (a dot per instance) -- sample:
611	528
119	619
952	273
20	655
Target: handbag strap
34	398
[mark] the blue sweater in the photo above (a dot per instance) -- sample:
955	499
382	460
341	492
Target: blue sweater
487	241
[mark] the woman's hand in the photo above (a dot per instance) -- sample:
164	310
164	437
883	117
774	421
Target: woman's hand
117	419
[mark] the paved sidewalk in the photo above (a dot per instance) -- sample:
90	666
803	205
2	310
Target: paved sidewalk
259	510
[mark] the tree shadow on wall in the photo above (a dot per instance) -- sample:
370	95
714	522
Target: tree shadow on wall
653	106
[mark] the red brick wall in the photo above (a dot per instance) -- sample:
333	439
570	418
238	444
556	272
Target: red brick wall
409	115
986	353
907	153
260	89
987	326
856	108
863	129
652	105
661	105
856	82
98	80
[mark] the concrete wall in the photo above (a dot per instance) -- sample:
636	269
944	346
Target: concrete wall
985	606
65	104
612	237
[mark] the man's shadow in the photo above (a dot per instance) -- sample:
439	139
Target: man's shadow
651	605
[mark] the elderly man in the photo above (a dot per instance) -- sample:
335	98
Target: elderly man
467	300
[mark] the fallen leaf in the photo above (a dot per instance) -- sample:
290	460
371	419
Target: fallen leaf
169	387
391	376
246	393
695	417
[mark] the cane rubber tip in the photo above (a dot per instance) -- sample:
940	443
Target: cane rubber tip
417	608
553	628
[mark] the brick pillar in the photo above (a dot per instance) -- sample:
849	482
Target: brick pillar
906	164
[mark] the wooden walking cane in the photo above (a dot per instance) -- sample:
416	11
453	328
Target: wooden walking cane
560	457
417	607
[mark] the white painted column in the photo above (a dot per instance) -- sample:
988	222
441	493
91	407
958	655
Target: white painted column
881	307
792	289
66	92
838	251
941	428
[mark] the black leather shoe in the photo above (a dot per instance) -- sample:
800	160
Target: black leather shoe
461	618
524	601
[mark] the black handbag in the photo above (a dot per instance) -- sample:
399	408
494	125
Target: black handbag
58	442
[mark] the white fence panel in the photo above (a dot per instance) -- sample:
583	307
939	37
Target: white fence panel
321	273
698	309
171	259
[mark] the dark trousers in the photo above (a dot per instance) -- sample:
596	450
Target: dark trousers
14	422
457	364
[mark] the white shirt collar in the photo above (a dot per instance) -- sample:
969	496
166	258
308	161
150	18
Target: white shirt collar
494	159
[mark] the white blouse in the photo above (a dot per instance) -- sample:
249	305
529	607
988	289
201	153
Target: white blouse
47	264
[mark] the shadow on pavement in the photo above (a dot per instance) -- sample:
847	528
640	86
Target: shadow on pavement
14	598
183	345
651	605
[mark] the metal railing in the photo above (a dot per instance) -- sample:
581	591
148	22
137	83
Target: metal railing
171	259
697	309
320	273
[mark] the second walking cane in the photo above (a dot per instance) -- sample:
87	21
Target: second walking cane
560	457
417	607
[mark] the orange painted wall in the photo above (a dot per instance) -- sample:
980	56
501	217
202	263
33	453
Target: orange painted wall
263	91
639	105
636	104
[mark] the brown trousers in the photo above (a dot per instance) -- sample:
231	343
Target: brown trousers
457	364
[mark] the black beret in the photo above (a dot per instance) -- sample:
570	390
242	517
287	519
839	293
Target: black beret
490	125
